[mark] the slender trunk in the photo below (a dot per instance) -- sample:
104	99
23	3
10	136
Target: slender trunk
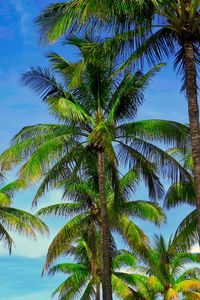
193	110
94	263
105	233
98	296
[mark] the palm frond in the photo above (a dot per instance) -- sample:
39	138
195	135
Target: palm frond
121	289
12	187
44	156
63	209
123	258
41	129
145	210
43	82
130	232
64	237
67	268
31	222
168	132
186	234
6	238
187	285
180	192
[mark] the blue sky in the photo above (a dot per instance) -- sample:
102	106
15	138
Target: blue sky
19	48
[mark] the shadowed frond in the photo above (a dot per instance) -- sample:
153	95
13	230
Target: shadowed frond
66	235
180	192
63	209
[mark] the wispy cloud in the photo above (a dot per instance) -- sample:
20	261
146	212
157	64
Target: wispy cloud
33	296
195	249
23	14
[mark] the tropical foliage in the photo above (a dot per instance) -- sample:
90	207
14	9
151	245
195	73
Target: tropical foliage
84	280
166	273
183	192
152	30
95	106
13	219
84	209
98	154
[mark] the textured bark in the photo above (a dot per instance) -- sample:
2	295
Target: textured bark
93	261
105	233
193	110
98	295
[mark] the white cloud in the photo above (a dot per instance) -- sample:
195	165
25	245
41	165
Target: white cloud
43	295
195	248
29	248
24	16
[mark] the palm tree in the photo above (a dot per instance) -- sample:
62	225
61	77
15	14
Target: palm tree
85	209
94	107
166	272
84	280
13	219
175	27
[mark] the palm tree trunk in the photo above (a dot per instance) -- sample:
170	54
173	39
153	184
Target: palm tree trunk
105	232
193	110
98	296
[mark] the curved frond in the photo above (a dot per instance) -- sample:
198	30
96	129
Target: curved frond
187	285
23	219
145	210
130	232
145	168
180	192
186	234
43	82
67	268
65	236
63	209
72	286
171	294
12	187
43	157
6	238
123	258
121	289
168	132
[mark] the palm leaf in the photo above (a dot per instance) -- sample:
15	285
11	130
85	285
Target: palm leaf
42	82
130	232
63	209
6	238
186	234
121	289
64	237
145	210
180	192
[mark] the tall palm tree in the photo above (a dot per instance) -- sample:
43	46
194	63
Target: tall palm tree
13	219
173	27
95	108
85	209
84	281
166	273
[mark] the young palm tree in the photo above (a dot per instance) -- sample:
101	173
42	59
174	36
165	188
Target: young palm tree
176	32
95	108
13	219
84	280
166	273
85	209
